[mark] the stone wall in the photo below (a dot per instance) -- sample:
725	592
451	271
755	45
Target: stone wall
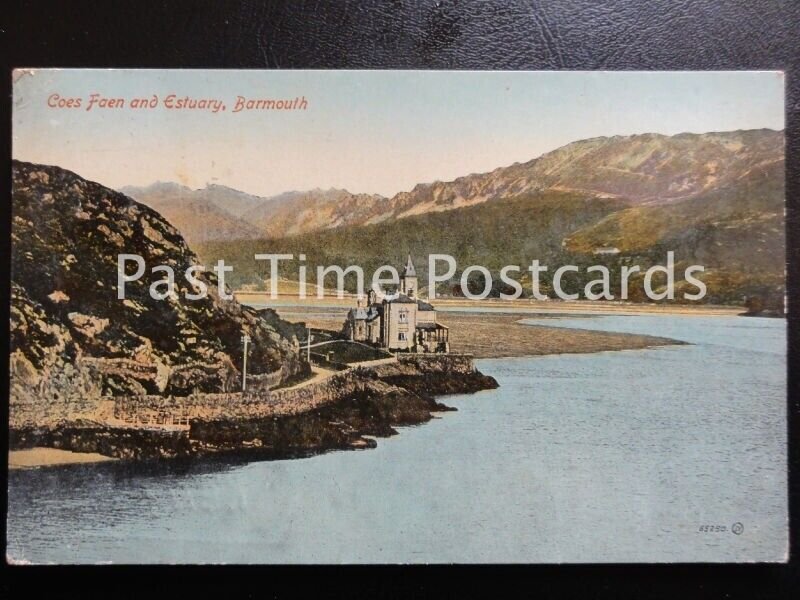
178	411
374	363
161	410
439	363
32	409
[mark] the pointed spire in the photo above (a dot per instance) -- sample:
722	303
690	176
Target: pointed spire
409	270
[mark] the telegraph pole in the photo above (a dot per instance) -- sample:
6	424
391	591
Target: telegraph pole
245	340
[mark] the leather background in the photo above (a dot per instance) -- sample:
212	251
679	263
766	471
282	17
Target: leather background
569	34
566	34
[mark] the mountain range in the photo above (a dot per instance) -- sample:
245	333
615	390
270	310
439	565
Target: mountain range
208	214
716	198
641	169
217	212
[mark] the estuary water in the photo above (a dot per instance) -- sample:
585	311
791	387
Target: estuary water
667	454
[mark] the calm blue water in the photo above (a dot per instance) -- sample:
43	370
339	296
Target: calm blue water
617	456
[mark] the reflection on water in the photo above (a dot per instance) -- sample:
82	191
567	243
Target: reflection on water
616	456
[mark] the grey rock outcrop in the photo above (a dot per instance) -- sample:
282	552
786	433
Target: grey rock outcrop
66	235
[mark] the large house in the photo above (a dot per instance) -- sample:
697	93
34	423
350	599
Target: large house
398	322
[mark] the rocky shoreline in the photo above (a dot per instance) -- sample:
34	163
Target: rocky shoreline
345	424
387	397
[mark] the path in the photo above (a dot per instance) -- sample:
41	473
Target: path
319	375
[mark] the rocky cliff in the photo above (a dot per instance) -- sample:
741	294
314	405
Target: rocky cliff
70	335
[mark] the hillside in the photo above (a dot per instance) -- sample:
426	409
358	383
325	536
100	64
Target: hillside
494	234
749	209
70	333
294	213
217	212
211	213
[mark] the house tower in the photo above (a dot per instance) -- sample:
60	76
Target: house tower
408	281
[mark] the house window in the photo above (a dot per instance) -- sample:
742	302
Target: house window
403	316
401	336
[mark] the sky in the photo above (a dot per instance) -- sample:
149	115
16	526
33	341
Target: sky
365	131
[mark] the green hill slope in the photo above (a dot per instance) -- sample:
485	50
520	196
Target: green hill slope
495	234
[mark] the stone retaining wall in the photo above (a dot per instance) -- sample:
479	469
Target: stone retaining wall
163	410
442	363
375	363
257	403
33	410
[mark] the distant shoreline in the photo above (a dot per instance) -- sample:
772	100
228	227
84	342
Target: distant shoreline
523	306
499	334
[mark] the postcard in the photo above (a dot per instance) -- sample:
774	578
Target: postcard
358	317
